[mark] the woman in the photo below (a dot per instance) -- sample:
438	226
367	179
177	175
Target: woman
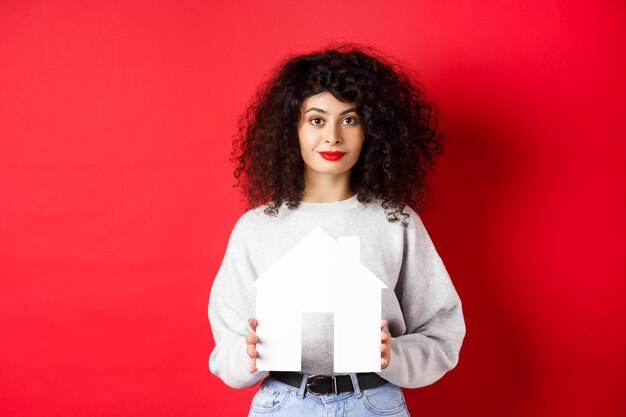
339	139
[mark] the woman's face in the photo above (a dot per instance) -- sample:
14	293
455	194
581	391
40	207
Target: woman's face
330	135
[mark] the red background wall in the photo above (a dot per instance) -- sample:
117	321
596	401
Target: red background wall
117	201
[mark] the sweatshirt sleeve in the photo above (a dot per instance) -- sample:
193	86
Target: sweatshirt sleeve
230	304
428	343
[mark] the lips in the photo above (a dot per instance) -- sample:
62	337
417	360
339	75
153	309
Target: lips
332	156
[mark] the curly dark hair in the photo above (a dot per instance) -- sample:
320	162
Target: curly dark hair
402	135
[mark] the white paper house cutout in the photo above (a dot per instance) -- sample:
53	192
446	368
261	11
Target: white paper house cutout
319	274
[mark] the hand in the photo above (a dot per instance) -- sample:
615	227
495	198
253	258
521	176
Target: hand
251	340
385	345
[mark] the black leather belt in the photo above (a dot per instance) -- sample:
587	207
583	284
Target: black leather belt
329	384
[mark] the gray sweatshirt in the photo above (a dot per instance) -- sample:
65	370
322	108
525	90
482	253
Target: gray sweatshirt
420	303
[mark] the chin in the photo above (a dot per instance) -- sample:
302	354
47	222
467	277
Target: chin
332	171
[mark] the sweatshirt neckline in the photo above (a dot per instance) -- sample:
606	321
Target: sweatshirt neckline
342	205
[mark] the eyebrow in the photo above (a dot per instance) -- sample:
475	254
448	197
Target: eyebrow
325	112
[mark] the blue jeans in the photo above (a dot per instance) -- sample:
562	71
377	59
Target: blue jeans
275	398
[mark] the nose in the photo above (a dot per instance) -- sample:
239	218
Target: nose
334	136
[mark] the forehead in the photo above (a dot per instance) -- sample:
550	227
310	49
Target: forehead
325	101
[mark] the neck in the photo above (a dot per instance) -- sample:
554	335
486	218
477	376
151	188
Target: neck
326	188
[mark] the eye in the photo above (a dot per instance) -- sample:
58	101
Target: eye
316	121
351	120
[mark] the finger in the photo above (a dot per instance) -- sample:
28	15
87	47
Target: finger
253	367
251	339
383	362
383	323
384	336
253	323
251	351
383	347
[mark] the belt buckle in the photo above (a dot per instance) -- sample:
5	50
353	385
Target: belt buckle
311	380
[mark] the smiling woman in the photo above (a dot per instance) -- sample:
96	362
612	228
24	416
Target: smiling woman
341	141
330	136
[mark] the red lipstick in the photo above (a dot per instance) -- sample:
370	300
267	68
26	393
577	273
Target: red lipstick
332	156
